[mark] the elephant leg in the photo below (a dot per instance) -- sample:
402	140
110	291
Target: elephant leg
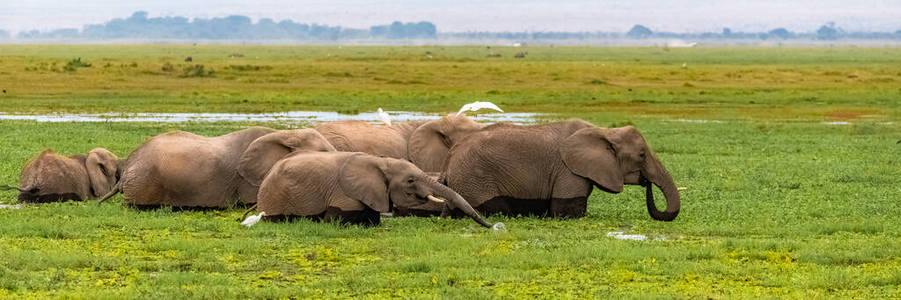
570	197
513	207
569	208
366	217
26	197
276	218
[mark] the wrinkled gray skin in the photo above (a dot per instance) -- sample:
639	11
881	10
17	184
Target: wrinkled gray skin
51	177
182	169
425	143
551	168
361	136
351	186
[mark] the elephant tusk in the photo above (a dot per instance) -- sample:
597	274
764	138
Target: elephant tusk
435	199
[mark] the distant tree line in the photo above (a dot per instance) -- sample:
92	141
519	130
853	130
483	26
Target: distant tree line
230	27
825	32
139	26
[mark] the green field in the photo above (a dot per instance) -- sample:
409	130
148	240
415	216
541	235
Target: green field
778	204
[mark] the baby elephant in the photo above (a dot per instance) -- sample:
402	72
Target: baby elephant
352	187
52	177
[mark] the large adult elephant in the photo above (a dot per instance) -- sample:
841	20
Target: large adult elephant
182	169
551	168
425	143
51	177
352	187
361	136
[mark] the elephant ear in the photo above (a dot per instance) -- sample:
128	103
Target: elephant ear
588	153
266	150
363	178
429	147
103	168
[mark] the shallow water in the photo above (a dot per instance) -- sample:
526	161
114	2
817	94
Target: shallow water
285	117
635	237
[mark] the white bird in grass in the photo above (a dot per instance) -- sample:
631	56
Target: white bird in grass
479	105
253	219
385	117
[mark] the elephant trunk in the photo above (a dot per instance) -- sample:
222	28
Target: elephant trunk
658	175
457	201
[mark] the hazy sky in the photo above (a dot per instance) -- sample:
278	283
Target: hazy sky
469	15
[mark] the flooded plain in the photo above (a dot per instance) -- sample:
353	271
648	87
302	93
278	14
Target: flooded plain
287	117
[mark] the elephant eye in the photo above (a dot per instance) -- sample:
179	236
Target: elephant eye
411	180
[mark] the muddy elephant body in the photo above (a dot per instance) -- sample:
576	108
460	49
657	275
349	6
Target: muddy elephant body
51	177
181	169
352	187
425	143
361	136
551	169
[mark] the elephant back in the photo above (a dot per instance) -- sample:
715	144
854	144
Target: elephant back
300	185
517	162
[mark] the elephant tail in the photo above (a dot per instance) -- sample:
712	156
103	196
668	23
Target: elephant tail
7	188
248	211
115	190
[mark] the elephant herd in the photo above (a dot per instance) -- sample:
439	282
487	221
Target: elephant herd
353	170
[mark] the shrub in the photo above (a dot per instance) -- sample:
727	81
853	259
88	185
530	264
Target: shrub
197	71
74	64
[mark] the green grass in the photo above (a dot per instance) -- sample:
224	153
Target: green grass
776	205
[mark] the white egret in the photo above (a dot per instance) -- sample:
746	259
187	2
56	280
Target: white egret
475	106
385	117
253	219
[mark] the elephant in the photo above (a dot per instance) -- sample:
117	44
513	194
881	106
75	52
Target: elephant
185	170
425	143
352	187
551	169
51	177
361	136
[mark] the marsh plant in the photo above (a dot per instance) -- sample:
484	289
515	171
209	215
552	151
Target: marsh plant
75	64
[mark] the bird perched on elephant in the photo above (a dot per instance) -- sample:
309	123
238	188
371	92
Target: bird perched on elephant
352	187
425	143
182	169
51	177
550	169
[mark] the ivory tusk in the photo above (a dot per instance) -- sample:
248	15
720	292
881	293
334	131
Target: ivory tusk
435	199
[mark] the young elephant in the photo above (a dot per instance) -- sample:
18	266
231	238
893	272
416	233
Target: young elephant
181	169
52	177
350	186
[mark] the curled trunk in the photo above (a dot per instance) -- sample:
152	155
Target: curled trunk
662	179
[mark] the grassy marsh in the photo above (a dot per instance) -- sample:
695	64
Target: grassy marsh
776	205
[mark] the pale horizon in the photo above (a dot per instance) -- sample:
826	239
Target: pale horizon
470	15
